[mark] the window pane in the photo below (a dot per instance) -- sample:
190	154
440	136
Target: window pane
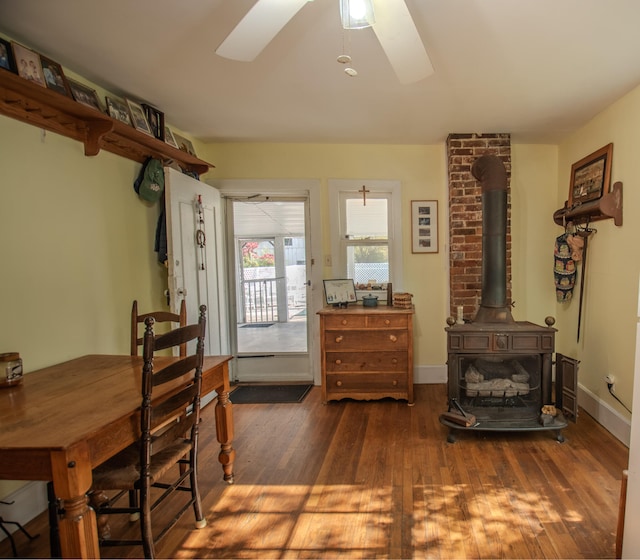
366	222
368	262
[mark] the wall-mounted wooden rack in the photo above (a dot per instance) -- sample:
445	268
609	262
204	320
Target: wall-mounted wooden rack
33	104
609	205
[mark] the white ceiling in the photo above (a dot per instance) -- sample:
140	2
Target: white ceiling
538	69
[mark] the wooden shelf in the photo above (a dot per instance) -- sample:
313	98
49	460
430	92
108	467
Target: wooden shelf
33	104
606	207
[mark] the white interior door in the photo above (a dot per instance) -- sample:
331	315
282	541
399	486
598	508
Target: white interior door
196	254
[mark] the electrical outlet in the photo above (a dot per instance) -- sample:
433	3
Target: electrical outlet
610	379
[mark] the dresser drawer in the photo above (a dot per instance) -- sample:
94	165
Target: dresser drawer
356	341
366	383
392	321
345	321
357	362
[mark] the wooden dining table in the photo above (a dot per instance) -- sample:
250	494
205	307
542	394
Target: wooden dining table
63	420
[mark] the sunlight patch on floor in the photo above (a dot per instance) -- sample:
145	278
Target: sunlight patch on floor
335	520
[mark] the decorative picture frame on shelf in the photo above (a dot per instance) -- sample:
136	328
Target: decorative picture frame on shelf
28	64
591	176
184	144
138	118
118	110
155	118
6	56
424	226
84	94
168	137
54	76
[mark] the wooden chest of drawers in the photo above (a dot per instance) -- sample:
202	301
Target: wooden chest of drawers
367	353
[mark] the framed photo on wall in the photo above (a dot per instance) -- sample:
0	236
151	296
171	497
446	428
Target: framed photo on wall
84	94
591	176
184	144
54	76
138	118
118	110
28	64
168	137
155	118
6	56
424	226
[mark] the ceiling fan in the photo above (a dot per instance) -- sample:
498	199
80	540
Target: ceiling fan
393	27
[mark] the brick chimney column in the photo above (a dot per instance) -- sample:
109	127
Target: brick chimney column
465	216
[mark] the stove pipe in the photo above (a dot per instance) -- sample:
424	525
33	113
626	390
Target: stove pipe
492	176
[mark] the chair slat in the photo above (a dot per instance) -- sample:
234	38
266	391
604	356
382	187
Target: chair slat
176	403
176	337
175	370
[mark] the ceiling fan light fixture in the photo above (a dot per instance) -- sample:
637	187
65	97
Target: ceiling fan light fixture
357	14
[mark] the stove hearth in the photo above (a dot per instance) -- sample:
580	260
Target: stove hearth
499	369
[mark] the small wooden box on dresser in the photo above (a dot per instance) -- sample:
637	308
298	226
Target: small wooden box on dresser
367	353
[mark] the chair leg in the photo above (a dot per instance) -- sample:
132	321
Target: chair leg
201	520
133	503
54	531
98	500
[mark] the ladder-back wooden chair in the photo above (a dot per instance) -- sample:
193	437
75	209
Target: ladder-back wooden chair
138	320
164	459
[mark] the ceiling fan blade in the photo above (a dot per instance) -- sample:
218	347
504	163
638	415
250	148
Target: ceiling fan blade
257	28
400	41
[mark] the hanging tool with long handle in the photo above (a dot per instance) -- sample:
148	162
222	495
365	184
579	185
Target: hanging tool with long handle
585	234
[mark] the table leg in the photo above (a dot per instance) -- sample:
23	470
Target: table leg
224	433
71	481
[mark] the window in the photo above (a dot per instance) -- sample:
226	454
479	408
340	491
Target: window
366	238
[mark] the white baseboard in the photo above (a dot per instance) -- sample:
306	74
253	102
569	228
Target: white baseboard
430	374
610	419
29	501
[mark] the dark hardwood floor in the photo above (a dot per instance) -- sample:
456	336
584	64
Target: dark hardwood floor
379	480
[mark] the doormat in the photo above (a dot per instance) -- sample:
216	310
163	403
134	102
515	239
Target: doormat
256	325
263	394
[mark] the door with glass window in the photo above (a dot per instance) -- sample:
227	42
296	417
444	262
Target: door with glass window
270	263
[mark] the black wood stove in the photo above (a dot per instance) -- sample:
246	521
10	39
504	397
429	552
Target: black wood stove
500	370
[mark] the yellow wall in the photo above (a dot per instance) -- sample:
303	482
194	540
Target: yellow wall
607	341
422	171
533	190
76	247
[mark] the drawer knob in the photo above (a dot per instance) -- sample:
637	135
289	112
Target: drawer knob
339	383
394	361
339	339
393	338
338	362
395	383
344	321
387	322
